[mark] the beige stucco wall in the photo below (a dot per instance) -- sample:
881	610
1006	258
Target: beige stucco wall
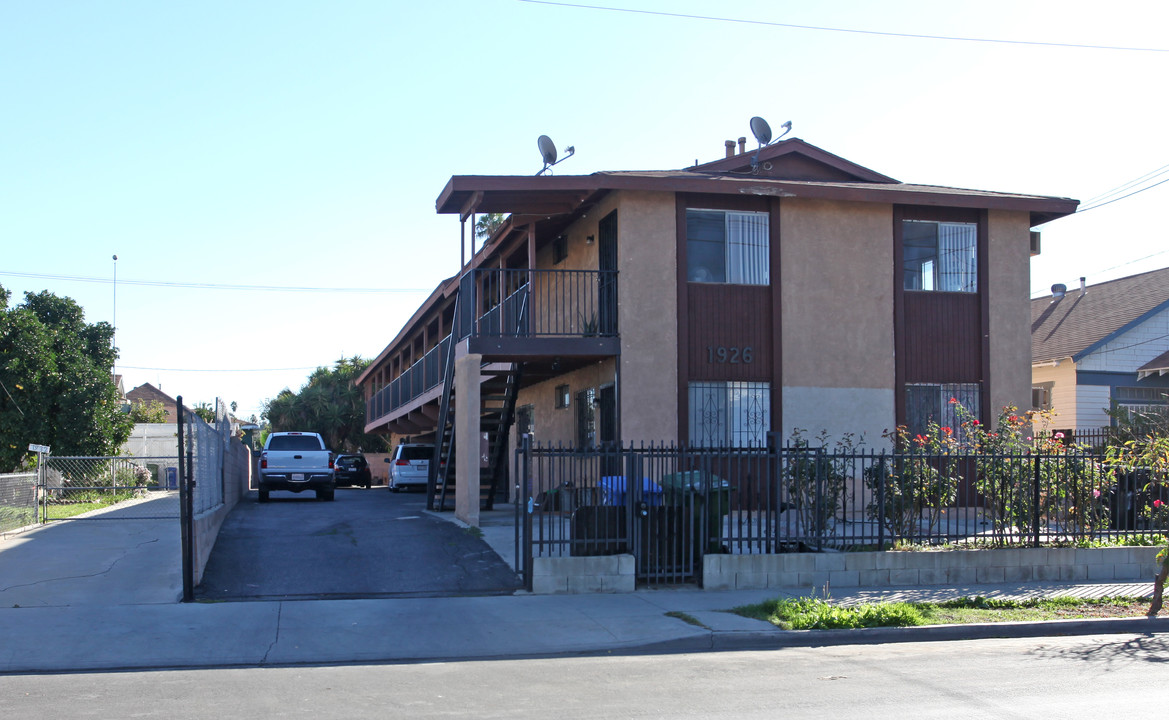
837	328
647	291
1008	286
557	426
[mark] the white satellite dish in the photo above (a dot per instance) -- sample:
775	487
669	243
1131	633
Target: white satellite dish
547	150
761	130
548	153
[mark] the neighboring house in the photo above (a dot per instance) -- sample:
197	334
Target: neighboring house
762	292
147	393
1101	346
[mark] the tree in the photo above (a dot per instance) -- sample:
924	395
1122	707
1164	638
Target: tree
56	371
487	224
148	412
329	403
205	411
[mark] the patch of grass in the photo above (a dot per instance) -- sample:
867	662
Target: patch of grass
476	532
687	618
817	614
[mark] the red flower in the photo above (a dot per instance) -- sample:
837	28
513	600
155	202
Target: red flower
953	401
948	431
1157	503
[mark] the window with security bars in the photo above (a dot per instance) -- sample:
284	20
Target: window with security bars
727	247
926	403
729	414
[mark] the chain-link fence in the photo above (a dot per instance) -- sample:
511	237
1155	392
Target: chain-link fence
110	488
18	500
206	444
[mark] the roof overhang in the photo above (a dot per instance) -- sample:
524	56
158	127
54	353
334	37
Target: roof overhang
553	195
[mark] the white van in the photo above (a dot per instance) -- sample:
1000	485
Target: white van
410	466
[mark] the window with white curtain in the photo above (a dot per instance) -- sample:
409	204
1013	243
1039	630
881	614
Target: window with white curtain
729	414
727	247
941	256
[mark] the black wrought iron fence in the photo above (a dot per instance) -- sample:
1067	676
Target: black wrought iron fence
671	505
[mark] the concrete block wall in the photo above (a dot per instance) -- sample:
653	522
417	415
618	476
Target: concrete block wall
599	574
237	473
951	567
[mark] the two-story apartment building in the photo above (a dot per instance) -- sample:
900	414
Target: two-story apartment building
762	292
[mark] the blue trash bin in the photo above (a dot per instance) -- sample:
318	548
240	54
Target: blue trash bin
172	478
613	491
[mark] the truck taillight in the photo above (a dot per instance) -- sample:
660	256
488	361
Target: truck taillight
264	460
330	462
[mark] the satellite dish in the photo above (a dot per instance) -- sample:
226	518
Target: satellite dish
547	150
548	153
761	130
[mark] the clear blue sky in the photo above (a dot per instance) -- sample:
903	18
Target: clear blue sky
303	144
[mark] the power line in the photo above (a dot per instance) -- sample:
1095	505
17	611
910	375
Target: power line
215	286
1125	186
843	30
1122	197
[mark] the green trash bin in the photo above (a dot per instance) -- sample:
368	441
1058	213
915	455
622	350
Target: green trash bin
691	487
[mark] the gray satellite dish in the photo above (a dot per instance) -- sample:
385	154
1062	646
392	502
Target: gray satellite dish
548	153
761	130
547	150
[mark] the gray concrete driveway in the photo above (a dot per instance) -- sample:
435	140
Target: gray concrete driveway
365	544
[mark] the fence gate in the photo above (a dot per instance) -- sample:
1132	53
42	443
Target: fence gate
109	488
581	504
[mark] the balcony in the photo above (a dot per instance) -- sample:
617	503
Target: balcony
513	316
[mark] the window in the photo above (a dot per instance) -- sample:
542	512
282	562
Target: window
1141	399
727	247
941	256
561	396
931	403
1041	396
586	419
729	414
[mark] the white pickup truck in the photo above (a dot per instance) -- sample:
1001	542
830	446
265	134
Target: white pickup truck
296	461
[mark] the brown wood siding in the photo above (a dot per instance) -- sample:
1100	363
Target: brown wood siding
943	337
735	319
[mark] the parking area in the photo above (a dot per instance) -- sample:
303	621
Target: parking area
366	543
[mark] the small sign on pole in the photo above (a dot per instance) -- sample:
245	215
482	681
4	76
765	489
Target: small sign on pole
38	448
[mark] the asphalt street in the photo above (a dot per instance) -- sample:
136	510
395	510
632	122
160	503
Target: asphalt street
366	543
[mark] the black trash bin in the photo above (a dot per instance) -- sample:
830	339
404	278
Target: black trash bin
708	495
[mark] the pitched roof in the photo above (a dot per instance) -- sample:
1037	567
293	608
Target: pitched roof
789	168
1078	324
147	393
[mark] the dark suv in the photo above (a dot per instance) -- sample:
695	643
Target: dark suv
352	470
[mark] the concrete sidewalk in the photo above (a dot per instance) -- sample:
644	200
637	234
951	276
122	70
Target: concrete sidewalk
102	596
156	636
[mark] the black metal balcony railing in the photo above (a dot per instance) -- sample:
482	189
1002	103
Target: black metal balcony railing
510	303
539	303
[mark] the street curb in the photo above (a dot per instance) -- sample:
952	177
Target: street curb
767	640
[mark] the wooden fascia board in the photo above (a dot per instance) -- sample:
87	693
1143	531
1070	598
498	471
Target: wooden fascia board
1046	208
795	146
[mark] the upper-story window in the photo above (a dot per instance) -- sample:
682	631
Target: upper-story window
940	256
727	247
